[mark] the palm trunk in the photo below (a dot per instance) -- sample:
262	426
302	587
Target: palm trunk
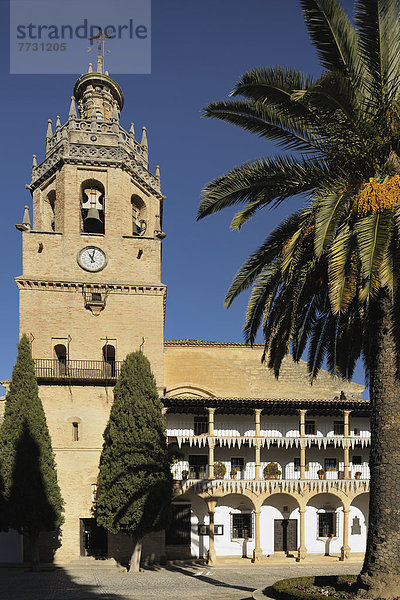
380	575
134	563
34	541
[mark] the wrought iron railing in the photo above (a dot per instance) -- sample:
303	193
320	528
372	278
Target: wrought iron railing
48	368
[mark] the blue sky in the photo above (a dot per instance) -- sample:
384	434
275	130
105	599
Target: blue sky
199	49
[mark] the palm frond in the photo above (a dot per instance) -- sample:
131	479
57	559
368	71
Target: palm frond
379	31
262	258
268	180
334	36
331	206
291	131
274	84
373	234
339	254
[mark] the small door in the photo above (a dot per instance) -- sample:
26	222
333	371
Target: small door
285	535
179	530
93	539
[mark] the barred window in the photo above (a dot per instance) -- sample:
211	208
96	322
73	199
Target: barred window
242	526
326	524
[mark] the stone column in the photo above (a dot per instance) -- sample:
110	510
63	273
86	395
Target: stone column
212	557
257	552
345	549
346	447
302	413
211	443
302	550
257	445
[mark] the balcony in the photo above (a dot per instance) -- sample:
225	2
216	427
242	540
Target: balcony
196	479
54	370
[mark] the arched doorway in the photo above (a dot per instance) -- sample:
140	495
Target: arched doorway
279	524
60	353
109	359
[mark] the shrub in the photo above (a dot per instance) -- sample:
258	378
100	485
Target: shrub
219	470
297	588
272	470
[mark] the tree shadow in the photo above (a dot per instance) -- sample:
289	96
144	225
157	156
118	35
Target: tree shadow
207	579
28	508
18	583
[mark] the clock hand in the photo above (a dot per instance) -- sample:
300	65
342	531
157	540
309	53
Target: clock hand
92	256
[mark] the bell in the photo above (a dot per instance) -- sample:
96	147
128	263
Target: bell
92	222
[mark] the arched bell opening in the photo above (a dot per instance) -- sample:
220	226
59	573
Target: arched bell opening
51	210
139	216
92	207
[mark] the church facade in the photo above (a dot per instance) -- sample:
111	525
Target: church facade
262	466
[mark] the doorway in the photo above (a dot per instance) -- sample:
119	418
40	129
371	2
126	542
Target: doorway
93	539
285	535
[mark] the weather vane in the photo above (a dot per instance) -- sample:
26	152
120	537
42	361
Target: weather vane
101	37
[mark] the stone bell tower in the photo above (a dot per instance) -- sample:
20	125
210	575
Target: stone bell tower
91	290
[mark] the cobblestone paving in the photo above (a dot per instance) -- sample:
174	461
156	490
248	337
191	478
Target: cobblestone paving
170	583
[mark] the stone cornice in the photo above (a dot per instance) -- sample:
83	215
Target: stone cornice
94	155
24	283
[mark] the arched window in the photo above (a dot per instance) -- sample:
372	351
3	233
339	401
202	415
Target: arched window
60	352
109	359
139	223
92	207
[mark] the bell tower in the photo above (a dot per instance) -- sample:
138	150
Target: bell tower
90	290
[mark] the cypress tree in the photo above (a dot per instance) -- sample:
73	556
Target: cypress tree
32	500
135	481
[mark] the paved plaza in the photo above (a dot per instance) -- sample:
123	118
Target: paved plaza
186	582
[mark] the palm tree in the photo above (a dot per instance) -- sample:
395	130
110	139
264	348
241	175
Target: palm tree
327	278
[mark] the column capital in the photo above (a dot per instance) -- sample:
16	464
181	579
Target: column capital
302	411
211	409
258	411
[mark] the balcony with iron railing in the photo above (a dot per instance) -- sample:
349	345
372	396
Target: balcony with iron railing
48	369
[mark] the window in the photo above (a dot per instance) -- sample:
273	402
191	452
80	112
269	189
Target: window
200	425
75	432
357	460
96	297
326	524
338	427
198	466
237	467
310	428
242	526
296	463
330	464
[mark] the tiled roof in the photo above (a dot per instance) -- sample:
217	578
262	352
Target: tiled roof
278	405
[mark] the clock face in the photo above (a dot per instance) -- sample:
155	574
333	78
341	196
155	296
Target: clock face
92	259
